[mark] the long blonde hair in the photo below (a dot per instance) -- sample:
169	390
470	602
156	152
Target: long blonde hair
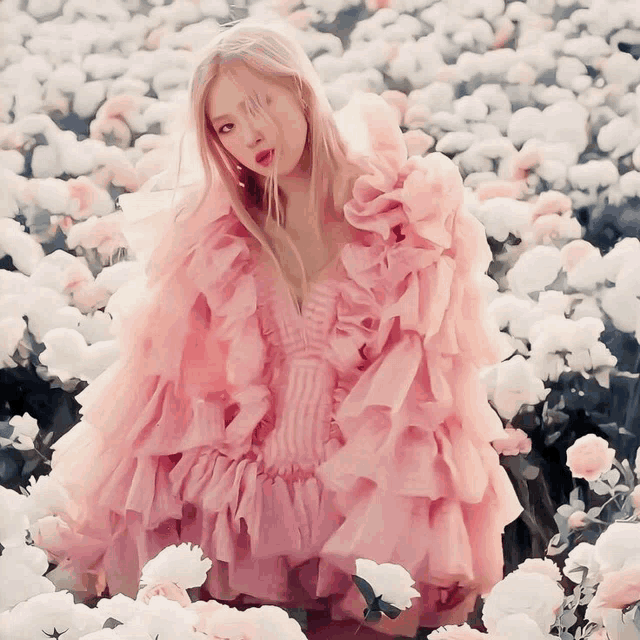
272	51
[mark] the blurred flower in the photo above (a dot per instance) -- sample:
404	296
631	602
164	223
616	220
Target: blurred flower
450	632
543	566
618	546
536	595
25	429
390	581
257	623
181	565
14	522
577	520
516	442
618	589
168	590
583	555
589	457
40	615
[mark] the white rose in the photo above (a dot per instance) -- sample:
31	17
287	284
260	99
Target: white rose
619	543
391	581
520	626
534	594
583	555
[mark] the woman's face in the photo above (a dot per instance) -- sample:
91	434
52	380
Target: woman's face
244	135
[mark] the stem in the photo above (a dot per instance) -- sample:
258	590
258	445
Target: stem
360	625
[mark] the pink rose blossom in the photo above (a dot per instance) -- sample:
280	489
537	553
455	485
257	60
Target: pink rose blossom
573	253
515	442
500	189
84	194
589	457
577	520
398	100
618	589
418	142
169	590
451	632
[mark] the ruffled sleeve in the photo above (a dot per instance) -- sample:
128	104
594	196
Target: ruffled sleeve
417	468
188	377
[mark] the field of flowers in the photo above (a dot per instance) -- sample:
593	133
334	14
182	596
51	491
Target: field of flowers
536	102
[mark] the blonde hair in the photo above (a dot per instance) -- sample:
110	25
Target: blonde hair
272	51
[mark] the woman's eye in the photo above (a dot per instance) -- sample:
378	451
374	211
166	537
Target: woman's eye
220	130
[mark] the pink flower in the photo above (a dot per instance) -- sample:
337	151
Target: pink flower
418	142
398	100
589	457
450	632
500	189
84	194
515	442
618	589
169	590
258	623
573	253
577	520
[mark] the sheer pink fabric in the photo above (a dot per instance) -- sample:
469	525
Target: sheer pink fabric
289	445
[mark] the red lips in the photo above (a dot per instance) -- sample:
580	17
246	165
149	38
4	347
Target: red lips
262	154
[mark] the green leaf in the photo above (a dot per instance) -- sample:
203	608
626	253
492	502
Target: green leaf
599	487
568	619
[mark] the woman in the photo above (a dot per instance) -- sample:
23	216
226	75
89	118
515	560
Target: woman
300	388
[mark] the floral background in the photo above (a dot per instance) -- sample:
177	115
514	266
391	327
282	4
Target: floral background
538	104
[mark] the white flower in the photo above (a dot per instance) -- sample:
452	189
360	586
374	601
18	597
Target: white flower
544	566
583	555
46	612
166	619
22	569
534	594
520	626
119	607
180	564
391	581
619	544
121	632
14	522
46	496
25	429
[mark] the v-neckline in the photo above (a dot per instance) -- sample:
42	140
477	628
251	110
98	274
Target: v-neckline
321	278
300	306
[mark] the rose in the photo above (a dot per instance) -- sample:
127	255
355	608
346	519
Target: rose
536	595
257	623
390	581
464	632
589	457
543	566
618	546
583	555
618	589
577	520
168	590
515	442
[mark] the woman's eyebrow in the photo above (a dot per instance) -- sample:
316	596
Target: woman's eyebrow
242	105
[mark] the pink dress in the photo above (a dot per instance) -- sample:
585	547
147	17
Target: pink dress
287	445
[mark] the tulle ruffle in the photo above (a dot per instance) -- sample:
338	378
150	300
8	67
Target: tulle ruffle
171	448
417	479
